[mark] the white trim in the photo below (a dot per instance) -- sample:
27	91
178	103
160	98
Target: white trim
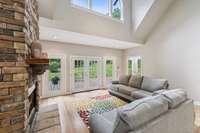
86	84
63	89
197	103
58	35
109	16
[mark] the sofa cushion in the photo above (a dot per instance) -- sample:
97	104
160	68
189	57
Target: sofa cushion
120	126
175	97
142	111
124	79
153	84
135	81
140	94
100	124
126	89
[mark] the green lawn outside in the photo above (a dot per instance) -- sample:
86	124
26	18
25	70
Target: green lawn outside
79	71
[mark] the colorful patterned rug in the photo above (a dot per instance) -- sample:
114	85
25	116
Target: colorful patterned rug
96	105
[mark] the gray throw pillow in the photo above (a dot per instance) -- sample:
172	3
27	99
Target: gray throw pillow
124	79
135	81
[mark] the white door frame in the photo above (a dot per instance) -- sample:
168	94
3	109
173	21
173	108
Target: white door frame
63	90
114	71
86	60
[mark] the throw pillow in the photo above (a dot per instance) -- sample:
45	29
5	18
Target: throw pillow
124	79
135	81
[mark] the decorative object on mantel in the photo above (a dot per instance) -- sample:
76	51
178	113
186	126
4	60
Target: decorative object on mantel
36	49
39	66
44	55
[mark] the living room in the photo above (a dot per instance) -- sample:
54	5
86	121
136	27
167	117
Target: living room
99	66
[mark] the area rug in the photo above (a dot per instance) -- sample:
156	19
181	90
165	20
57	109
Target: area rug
96	105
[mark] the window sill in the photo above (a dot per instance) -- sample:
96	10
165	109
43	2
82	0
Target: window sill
96	13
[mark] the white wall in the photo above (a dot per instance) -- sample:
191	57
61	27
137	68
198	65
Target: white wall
79	50
173	49
69	18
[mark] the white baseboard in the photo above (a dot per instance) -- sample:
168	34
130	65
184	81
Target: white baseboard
197	103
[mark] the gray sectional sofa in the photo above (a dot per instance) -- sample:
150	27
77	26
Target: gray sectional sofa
169	111
135	87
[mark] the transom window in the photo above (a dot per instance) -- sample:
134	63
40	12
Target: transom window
112	8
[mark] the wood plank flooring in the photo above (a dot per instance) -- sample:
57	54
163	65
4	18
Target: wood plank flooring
197	118
70	120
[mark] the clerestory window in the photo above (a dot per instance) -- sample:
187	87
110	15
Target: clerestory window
111	8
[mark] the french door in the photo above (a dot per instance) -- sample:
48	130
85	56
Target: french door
85	73
110	71
54	79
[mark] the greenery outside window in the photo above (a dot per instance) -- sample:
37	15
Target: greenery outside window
109	68
129	67
111	8
135	65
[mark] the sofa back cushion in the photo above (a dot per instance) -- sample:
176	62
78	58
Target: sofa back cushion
140	112
135	81
124	79
175	97
153	84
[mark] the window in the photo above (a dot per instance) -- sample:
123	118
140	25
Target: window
100	6
129	67
93	68
111	8
109	68
81	3
79	70
116	9
135	65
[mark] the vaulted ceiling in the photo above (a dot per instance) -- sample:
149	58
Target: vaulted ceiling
147	14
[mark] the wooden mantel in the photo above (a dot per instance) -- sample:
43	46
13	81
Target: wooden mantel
39	66
37	61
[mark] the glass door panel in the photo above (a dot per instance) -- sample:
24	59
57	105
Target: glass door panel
109	72
54	75
54	79
85	73
79	74
94	74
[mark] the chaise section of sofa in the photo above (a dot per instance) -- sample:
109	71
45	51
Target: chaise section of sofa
135	87
167	112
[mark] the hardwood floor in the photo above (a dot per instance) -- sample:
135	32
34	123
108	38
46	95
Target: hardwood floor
197	116
70	120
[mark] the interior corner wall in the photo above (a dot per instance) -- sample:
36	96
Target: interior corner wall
80	50
173	49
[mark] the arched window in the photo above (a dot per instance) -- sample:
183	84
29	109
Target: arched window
111	8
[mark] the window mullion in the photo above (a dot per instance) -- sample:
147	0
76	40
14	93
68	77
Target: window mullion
110	7
89	4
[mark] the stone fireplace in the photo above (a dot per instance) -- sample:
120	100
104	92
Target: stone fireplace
18	85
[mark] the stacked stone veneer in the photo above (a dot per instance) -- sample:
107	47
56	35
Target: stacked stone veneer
18	29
